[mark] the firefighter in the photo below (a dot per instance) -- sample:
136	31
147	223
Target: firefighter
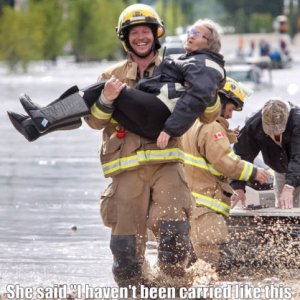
209	163
275	132
141	194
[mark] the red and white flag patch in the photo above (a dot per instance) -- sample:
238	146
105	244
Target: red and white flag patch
219	135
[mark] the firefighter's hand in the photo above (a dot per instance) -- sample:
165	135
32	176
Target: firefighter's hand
286	197
262	175
112	89
162	140
238	195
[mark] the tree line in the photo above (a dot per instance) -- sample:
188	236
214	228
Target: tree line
46	29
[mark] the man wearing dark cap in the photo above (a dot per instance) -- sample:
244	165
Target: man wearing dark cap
275	131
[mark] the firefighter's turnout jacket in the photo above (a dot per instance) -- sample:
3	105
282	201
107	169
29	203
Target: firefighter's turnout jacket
123	150
210	161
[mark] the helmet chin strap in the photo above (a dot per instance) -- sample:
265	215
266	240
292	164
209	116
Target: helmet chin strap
222	113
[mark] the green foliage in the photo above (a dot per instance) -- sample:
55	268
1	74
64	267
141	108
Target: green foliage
171	14
201	9
37	32
240	21
253	6
260	22
44	27
239	12
21	37
4	3
181	13
54	30
41	31
92	28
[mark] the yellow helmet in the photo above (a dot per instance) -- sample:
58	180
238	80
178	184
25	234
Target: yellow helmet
234	92
139	14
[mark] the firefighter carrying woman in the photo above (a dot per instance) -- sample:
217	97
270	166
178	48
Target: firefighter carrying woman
142	127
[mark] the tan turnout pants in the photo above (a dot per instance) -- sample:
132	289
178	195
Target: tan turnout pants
139	199
208	232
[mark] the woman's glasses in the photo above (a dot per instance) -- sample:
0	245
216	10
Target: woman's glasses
193	31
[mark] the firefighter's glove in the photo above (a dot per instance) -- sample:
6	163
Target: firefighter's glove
286	197
238	195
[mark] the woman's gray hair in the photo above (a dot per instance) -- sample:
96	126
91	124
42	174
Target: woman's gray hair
214	40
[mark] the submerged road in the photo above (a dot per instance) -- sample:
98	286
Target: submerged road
50	229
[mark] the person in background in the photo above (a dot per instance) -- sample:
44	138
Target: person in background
275	132
209	164
252	48
264	48
240	49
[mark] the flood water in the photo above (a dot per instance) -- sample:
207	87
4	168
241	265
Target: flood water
48	187
50	229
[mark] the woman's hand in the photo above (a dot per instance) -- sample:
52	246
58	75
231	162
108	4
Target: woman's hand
162	140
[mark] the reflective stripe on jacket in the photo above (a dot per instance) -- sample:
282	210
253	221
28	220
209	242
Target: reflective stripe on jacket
214	204
200	162
101	112
209	162
118	165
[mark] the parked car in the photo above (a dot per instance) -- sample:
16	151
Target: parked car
244	73
173	45
254	75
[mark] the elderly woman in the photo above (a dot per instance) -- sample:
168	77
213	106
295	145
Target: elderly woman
163	106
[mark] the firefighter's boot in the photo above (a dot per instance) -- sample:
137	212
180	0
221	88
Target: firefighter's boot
174	246
126	266
228	261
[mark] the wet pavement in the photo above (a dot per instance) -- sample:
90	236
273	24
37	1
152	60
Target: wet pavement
50	229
